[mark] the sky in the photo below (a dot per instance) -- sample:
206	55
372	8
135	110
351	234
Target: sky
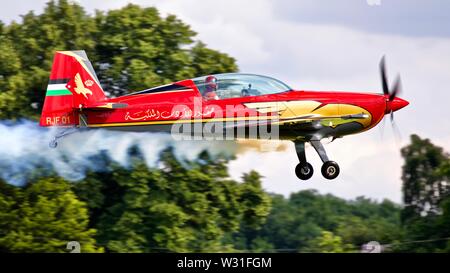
327	45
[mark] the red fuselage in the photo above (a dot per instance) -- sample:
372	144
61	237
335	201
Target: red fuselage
160	108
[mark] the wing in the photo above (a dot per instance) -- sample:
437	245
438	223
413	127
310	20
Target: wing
306	122
105	106
309	112
312	117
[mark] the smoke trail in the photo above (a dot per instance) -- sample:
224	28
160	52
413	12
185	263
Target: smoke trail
262	146
24	148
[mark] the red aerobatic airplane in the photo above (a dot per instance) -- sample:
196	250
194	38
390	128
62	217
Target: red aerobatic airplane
233	105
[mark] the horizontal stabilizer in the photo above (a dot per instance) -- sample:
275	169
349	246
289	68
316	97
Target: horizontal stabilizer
105	106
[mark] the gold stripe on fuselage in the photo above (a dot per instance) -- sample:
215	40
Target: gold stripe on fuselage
180	121
289	111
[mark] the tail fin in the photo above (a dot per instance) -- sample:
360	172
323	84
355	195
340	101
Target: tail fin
72	85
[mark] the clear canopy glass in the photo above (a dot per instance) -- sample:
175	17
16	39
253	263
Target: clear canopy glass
233	85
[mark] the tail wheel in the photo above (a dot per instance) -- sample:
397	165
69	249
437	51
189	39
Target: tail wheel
304	171
53	144
330	170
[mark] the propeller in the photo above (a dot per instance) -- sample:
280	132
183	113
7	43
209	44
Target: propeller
390	94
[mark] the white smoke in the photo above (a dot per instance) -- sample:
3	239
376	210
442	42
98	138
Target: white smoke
24	148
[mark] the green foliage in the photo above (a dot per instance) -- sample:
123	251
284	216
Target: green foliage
131	48
62	26
358	231
426	216
327	242
307	222
193	206
12	84
181	207
43	217
256	202
423	185
206	61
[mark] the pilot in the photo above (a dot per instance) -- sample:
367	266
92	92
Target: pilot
211	87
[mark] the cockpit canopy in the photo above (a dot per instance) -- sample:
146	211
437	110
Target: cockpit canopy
233	85
224	86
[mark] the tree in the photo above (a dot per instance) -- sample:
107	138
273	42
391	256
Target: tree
423	186
44	217
255	209
255	200
358	231
8	195
138	48
207	61
182	206
327	242
131	48
12	84
62	26
426	178
298	223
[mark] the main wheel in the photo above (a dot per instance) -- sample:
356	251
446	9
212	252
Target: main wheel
330	170
304	171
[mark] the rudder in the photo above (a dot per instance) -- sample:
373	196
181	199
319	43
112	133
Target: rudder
73	85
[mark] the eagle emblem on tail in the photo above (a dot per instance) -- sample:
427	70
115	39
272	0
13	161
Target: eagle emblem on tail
80	88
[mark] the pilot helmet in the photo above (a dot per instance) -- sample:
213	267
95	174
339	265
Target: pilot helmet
211	83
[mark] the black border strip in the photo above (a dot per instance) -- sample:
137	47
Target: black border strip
58	81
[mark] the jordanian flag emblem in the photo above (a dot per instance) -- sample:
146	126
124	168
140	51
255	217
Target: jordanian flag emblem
58	88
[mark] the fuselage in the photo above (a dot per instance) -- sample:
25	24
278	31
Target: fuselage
295	114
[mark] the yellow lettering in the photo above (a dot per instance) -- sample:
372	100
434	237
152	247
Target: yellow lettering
57	120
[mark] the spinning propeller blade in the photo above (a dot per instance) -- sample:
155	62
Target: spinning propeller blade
390	94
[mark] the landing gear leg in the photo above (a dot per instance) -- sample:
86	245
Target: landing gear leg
303	170
330	169
62	133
